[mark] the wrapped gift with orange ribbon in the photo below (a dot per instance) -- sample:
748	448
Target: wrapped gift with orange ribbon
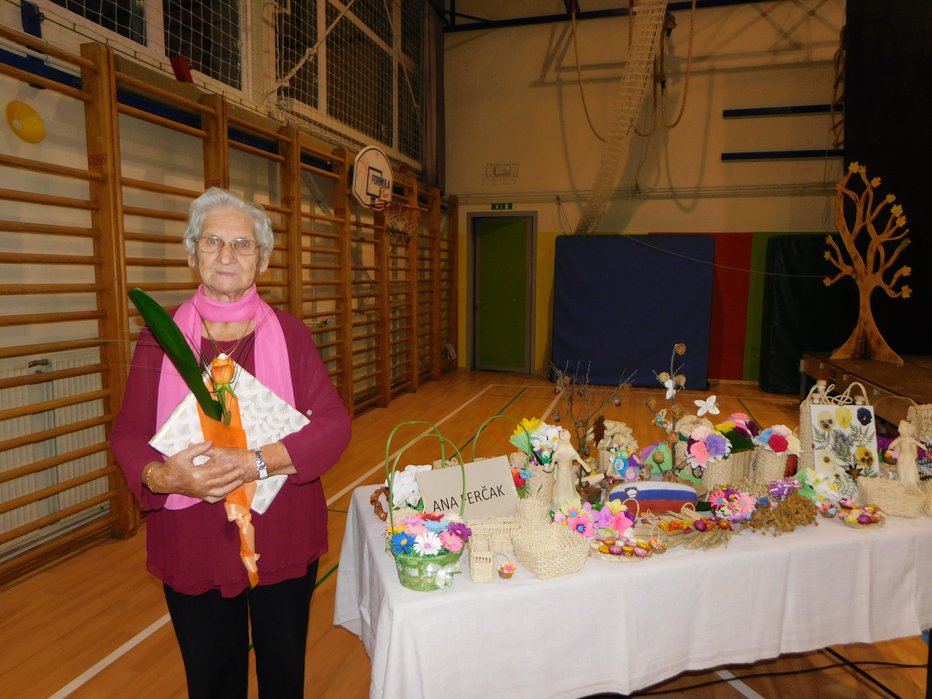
229	432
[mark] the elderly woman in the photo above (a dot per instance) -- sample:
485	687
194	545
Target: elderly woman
193	548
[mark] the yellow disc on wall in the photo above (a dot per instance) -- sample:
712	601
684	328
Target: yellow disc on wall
25	121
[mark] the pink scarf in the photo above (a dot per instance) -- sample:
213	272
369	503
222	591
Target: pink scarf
271	359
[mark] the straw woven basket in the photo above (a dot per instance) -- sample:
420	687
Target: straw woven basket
768	465
734	468
740	465
533	512
481	563
817	394
717	473
540	484
893	497
926	488
679	453
920	416
494	532
806	456
551	550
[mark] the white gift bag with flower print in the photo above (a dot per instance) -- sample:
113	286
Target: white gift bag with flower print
844	440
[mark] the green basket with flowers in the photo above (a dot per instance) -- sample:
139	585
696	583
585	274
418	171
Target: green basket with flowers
427	546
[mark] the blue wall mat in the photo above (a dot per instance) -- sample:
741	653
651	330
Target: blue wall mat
620	303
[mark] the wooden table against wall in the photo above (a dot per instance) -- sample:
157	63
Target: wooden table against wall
890	388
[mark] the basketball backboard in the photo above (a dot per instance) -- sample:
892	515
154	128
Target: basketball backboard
372	177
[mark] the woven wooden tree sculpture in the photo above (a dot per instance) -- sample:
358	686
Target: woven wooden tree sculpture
867	259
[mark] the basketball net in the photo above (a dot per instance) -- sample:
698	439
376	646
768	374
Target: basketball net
400	219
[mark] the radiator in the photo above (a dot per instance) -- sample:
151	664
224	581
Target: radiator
50	448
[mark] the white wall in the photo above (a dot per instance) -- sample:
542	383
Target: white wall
512	97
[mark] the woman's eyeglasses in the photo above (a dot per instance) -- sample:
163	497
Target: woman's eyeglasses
213	243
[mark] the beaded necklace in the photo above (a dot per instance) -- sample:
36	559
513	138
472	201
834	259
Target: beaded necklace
216	346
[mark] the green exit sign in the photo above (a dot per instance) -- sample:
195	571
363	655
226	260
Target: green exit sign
501	207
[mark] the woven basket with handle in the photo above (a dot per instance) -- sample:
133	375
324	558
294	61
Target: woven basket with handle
481	562
418	572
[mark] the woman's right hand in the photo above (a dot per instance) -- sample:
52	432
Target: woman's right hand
210	481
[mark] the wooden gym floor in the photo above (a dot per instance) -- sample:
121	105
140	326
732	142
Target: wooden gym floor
95	625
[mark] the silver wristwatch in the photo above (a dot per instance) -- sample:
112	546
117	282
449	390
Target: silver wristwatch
261	468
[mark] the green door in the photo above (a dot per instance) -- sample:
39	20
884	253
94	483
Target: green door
502	292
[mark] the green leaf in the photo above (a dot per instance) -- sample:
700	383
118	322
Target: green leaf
169	336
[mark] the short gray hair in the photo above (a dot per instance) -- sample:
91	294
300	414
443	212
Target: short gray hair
216	198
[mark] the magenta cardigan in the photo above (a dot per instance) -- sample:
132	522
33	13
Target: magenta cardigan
196	549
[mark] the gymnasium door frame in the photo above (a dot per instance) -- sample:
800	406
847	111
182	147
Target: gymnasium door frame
473	223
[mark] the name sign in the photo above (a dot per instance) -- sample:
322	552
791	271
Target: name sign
490	489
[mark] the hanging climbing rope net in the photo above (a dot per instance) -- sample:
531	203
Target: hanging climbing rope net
648	22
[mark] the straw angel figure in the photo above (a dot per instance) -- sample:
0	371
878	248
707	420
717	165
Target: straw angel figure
906	448
564	457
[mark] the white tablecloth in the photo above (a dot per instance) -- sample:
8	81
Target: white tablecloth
618	627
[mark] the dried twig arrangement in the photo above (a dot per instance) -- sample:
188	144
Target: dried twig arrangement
579	405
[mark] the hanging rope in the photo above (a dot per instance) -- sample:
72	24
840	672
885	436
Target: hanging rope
653	114
582	95
657	96
689	60
838	95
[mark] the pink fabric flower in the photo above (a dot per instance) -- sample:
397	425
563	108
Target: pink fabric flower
699	452
581	525
416	529
451	542
620	523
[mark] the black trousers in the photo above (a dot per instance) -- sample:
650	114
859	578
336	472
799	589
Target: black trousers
213	633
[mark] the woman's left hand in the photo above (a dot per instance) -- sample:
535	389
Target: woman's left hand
234	459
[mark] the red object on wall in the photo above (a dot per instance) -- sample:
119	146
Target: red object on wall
182	69
730	305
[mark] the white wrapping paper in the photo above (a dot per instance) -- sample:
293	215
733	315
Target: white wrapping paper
266	418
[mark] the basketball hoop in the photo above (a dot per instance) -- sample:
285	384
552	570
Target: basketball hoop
373	184
400	219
